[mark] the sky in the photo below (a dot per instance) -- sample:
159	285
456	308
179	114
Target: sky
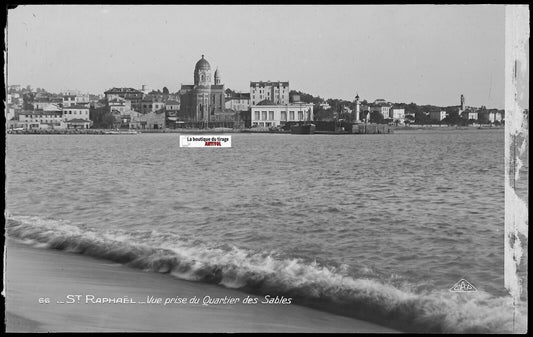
426	54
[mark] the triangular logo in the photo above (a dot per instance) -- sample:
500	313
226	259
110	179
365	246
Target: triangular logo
463	286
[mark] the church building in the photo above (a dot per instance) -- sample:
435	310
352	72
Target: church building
204	100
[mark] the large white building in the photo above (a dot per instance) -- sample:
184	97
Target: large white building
277	92
397	115
470	114
32	120
272	115
77	117
490	116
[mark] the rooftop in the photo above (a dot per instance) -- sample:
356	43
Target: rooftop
269	83
40	112
239	95
122	90
76	106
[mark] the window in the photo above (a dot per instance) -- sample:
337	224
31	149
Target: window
291	115
284	115
271	115
257	115
300	115
264	115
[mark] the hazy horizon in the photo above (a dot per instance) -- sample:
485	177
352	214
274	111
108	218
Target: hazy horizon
426	54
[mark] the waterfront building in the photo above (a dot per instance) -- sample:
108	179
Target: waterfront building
38	120
75	112
77	117
238	102
277	92
437	115
268	114
397	115
151	120
133	95
172	109
78	123
469	114
203	101
490	116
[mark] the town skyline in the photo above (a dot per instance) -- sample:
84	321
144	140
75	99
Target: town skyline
75	47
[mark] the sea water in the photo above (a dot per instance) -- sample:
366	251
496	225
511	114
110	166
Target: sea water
378	227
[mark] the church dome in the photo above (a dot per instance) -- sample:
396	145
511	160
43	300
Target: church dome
202	64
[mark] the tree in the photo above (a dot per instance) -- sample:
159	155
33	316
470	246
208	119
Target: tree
421	118
452	118
376	117
165	91
27	101
108	120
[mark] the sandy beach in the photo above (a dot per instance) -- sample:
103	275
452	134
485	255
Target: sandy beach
35	275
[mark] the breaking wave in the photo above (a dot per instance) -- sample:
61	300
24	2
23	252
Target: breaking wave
322	287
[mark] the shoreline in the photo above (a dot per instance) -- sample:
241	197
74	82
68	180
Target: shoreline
36	274
246	131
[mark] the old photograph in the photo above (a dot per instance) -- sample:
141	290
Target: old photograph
266	168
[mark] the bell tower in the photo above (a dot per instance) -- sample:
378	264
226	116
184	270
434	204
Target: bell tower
218	80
